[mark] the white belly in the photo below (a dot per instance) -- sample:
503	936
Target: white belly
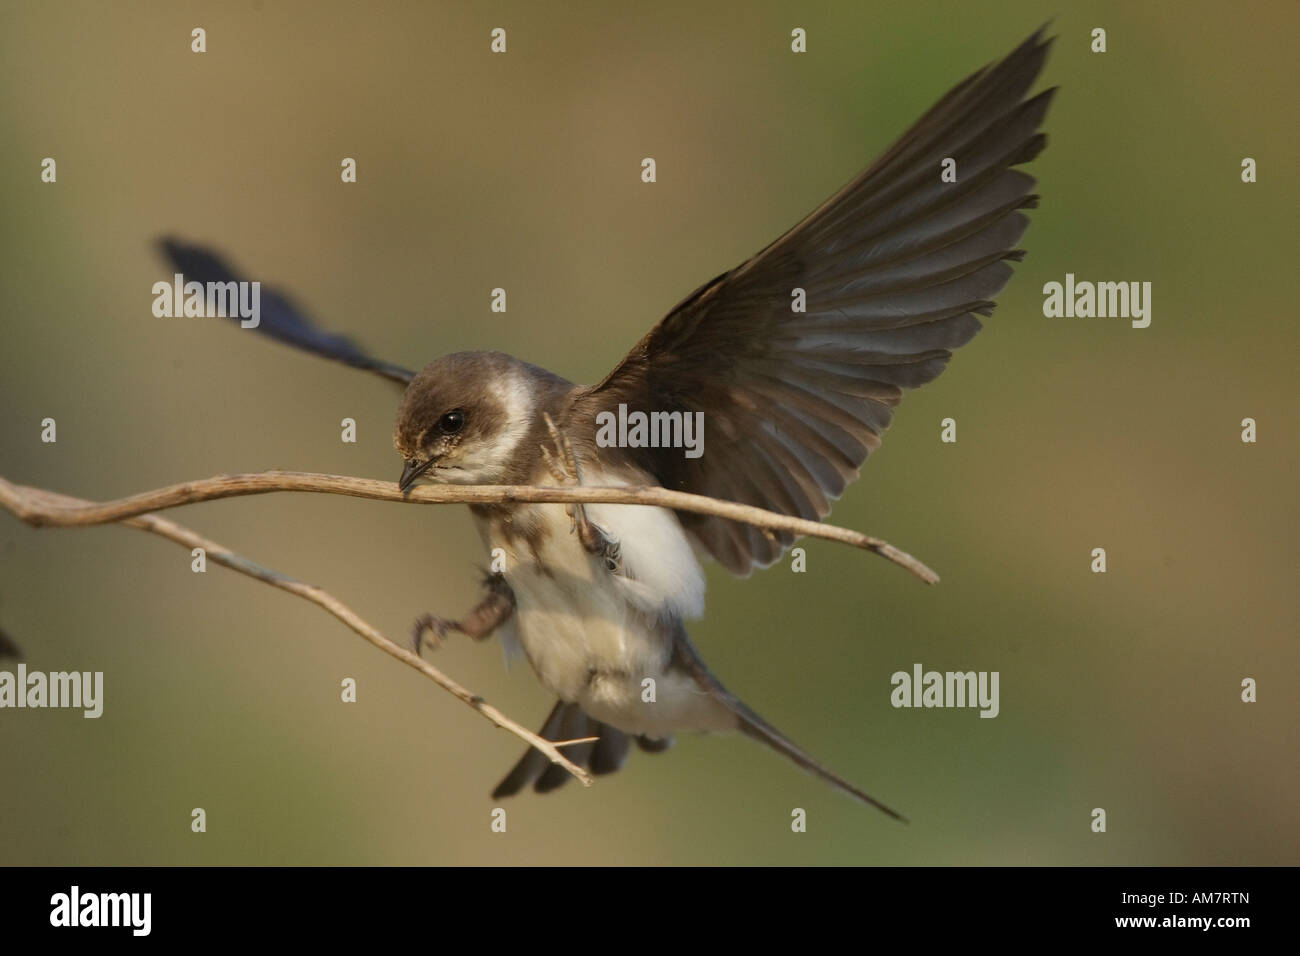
595	638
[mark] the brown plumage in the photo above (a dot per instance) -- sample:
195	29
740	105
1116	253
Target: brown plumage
894	271
896	267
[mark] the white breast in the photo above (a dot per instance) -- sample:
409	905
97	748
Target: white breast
594	637
660	571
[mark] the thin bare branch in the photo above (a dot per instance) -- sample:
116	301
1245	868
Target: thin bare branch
43	508
30	503
19	499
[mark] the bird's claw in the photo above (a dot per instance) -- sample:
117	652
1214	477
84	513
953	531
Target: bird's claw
437	627
563	465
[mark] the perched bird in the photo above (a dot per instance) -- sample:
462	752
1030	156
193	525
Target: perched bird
893	270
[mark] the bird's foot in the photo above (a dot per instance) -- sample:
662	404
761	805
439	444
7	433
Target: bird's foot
563	465
437	627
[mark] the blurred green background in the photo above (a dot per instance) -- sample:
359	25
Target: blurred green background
475	171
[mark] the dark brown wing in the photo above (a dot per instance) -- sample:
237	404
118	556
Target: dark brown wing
895	268
281	319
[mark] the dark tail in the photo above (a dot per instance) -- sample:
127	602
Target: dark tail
567	722
752	725
609	751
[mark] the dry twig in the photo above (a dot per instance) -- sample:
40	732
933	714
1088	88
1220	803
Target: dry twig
17	499
42	508
28	502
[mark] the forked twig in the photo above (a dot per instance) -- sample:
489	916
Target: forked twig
35	500
42	508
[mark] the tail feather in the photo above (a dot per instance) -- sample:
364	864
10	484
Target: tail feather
754	726
654	745
533	763
568	722
609	751
575	725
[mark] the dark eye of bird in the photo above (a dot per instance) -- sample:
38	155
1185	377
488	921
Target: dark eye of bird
451	422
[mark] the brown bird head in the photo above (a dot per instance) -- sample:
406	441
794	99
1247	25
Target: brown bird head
466	417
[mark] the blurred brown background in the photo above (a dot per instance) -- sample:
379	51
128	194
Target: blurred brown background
475	171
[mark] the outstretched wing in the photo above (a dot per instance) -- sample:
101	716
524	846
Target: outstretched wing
9	647
281	318
895	268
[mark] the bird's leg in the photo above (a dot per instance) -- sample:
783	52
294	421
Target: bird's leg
484	618
564	466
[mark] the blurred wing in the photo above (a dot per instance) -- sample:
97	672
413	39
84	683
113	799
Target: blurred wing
895	268
9	647
281	319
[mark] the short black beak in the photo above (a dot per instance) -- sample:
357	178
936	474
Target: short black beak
413	469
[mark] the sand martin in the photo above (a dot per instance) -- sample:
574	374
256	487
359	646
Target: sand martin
790	365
